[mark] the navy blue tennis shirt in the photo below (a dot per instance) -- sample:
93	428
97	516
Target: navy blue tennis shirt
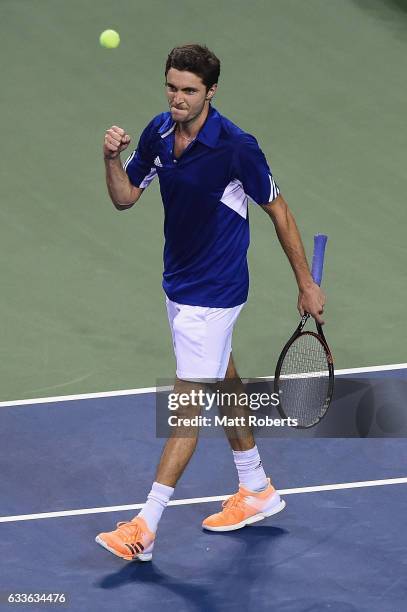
205	195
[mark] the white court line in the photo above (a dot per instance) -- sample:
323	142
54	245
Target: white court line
200	500
301	375
83	396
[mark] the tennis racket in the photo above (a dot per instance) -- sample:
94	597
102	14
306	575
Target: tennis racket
304	377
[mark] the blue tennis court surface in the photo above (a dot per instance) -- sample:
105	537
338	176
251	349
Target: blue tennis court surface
68	465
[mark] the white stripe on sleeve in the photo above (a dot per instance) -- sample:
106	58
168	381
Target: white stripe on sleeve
128	160
148	178
274	190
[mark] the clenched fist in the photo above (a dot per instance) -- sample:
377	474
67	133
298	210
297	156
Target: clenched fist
116	140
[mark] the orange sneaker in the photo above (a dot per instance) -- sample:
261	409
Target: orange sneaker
244	508
132	540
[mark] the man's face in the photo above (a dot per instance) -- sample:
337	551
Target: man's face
186	95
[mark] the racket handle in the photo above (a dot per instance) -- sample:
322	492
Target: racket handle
320	241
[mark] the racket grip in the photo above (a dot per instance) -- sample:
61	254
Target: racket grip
320	241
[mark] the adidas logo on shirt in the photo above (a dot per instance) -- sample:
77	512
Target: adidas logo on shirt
157	162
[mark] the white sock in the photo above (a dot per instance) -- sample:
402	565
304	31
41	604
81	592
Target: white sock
155	505
250	469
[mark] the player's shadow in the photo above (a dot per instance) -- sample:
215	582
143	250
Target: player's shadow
213	582
252	555
197	596
384	7
389	13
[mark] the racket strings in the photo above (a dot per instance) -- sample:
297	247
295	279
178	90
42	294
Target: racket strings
304	380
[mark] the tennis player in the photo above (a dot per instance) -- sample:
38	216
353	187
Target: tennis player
208	168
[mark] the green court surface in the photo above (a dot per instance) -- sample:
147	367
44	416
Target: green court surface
319	83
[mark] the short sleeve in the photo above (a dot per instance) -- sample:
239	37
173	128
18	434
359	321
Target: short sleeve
253	171
140	165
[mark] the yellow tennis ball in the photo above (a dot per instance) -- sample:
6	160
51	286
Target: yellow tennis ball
109	39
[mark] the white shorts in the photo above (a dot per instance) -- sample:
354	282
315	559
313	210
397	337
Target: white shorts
202	339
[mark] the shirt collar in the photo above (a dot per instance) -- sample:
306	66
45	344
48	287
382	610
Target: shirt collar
208	134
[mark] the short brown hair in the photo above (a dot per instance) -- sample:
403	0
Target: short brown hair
197	59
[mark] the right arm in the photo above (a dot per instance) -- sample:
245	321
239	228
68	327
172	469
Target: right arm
122	192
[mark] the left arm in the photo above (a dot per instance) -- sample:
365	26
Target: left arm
310	299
